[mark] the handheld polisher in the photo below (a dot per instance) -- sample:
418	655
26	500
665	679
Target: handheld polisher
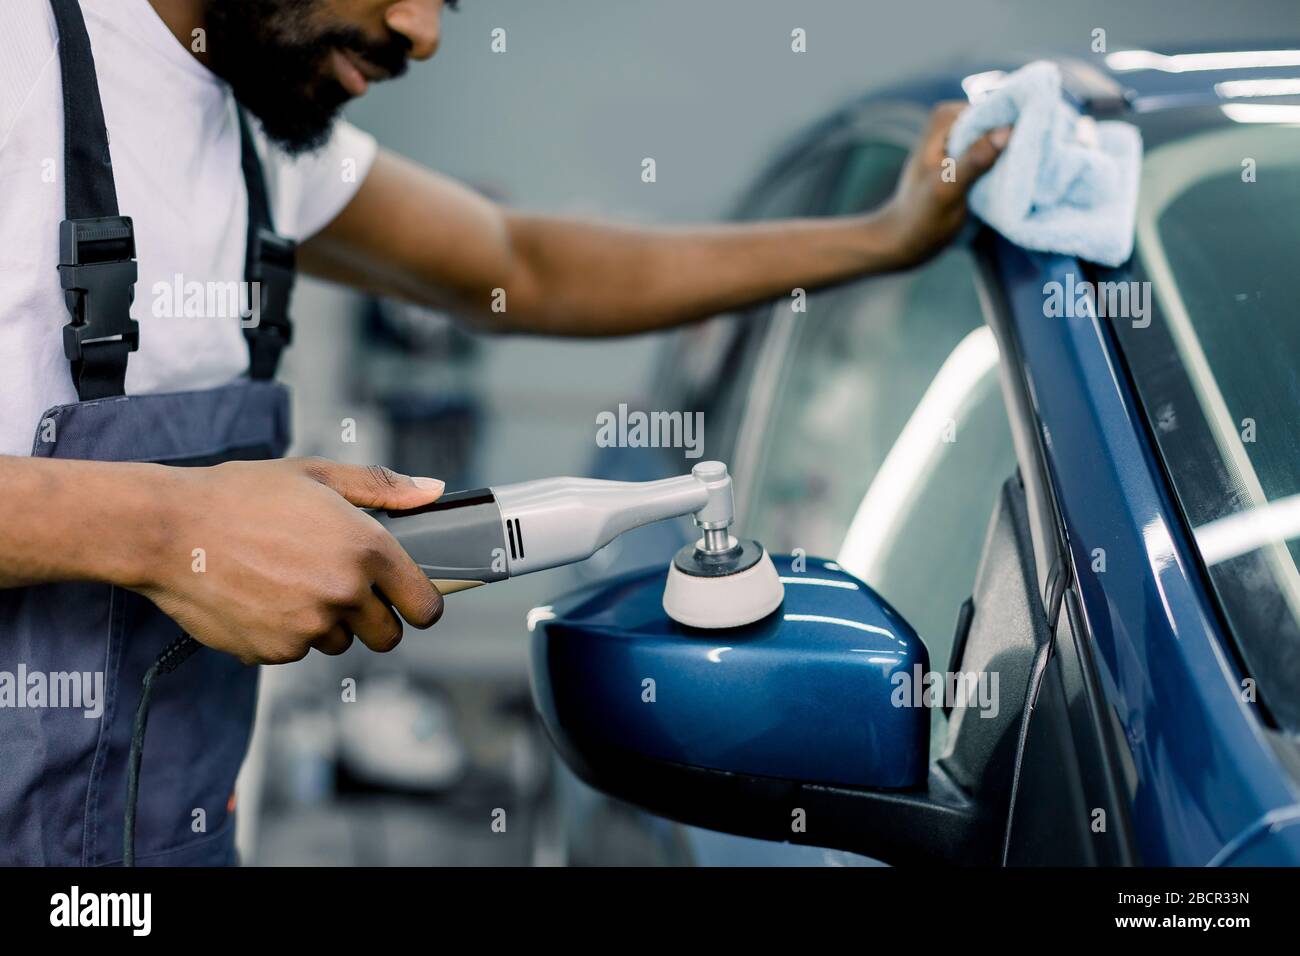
470	538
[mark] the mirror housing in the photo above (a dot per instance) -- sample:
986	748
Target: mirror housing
737	729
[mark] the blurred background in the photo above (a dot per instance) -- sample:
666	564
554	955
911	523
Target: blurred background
437	741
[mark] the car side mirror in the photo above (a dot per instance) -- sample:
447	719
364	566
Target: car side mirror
792	728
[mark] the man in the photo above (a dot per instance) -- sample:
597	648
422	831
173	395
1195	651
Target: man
106	552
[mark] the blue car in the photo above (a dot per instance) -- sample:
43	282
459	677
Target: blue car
1083	482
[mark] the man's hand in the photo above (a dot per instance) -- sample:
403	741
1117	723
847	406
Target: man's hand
927	209
288	561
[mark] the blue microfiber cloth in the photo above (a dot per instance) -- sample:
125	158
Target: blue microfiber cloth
1064	182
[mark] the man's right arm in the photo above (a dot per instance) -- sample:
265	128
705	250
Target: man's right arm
77	521
262	560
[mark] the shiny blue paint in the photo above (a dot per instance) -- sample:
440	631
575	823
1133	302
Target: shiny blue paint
807	693
1273	840
1203	769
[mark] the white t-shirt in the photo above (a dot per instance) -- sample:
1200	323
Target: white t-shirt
174	139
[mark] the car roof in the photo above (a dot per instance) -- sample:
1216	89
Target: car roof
1129	83
1143	78
1140	80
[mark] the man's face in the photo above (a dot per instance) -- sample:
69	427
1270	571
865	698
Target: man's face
295	63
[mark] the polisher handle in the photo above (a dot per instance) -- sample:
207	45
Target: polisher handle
458	541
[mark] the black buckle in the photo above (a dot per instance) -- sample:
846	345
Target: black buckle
98	272
271	267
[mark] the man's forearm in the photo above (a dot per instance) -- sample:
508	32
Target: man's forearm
576	278
76	520
414	234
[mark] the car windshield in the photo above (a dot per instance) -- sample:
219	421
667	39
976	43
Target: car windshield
1216	361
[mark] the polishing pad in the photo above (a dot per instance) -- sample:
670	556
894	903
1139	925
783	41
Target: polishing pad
733	589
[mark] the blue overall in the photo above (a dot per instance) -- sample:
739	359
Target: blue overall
63	773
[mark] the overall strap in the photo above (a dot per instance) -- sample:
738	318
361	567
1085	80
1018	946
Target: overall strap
269	267
97	267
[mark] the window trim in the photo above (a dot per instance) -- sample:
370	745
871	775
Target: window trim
1054	561
1053	565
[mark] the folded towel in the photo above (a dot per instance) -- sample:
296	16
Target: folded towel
1064	182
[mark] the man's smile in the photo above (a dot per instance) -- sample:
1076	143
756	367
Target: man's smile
354	72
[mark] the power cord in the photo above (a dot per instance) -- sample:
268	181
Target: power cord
173	656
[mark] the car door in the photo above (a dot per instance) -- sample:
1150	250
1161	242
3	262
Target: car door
874	432
886	441
880	401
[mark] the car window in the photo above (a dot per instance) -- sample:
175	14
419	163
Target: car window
800	190
1216	363
887	441
868	178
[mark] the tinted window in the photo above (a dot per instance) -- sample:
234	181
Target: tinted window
1218	370
800	190
868	178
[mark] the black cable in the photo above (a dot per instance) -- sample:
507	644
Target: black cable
172	657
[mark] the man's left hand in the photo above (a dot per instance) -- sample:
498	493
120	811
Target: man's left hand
928	207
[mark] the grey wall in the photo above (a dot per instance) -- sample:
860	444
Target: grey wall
708	87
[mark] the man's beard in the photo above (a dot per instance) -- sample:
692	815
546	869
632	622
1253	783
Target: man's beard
275	56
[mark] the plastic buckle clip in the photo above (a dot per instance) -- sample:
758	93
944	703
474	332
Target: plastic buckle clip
271	267
98	271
